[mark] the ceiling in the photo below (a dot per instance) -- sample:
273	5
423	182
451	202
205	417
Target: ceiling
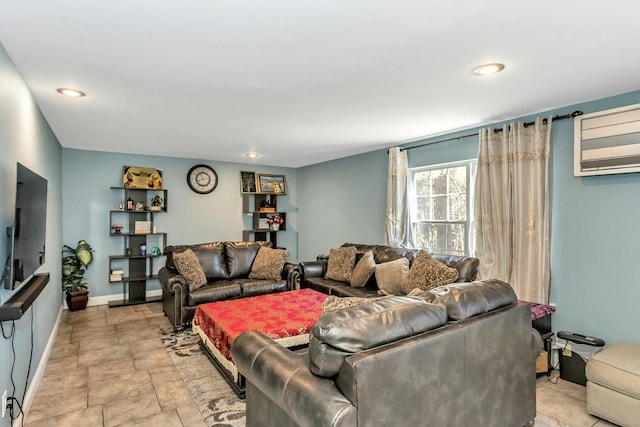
299	81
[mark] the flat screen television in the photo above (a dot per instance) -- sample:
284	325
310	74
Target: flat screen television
27	237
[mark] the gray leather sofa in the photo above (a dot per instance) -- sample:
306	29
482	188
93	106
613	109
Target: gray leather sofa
460	355
310	274
227	266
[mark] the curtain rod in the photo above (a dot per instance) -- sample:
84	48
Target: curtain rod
553	119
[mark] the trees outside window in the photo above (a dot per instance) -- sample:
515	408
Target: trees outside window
440	207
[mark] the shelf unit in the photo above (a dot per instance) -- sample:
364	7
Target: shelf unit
259	230
138	268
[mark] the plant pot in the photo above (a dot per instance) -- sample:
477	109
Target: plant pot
275	227
77	301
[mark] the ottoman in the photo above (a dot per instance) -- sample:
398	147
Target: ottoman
613	384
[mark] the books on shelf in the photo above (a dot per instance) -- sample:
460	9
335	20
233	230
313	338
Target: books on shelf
116	275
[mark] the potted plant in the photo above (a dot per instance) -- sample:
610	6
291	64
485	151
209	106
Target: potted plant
275	221
74	262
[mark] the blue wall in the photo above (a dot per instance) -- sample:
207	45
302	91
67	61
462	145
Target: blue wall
595	225
341	201
25	137
190	218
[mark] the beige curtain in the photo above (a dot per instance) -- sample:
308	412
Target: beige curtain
395	224
512	209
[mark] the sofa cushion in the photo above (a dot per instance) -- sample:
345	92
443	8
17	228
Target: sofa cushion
464	300
216	291
340	264
210	255
390	276
240	256
268	263
189	267
467	266
350	291
427	273
363	270
338	334
253	287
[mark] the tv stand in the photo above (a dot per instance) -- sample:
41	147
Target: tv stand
20	302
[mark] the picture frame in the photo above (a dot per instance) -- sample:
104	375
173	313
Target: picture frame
141	177
248	183
272	184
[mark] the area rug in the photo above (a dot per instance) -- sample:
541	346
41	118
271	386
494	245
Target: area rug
218	404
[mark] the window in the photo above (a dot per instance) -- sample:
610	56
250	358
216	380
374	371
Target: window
440	207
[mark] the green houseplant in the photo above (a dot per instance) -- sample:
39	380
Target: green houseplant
74	263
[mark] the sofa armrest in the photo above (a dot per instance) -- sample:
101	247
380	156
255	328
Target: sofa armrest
284	377
311	269
170	280
287	275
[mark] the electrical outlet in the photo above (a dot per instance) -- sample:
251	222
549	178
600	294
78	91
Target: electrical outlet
4	403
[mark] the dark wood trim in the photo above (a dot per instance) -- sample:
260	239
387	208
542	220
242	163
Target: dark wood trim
20	302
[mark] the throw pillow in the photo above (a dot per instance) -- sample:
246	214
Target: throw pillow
268	263
333	303
390	276
363	270
189	267
340	264
427	273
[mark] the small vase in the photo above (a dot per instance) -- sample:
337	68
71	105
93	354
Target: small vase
275	227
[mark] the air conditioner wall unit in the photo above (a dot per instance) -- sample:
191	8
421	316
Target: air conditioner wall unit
607	142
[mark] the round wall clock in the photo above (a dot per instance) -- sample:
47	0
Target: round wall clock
202	179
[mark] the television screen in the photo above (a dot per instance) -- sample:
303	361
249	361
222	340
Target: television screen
27	237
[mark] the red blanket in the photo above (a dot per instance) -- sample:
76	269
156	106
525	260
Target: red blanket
539	310
278	316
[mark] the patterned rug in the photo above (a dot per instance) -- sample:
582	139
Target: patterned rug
218	404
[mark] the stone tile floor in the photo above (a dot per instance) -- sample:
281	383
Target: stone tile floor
108	367
563	403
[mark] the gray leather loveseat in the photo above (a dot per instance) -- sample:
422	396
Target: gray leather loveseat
227	266
461	355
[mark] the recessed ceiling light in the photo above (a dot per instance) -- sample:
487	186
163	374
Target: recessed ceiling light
252	155
75	93
487	69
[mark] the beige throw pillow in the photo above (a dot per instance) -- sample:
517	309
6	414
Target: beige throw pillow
363	270
268	263
189	267
333	303
427	273
340	264
390	275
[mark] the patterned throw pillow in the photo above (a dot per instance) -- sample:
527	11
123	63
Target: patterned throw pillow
333	303
427	273
268	263
390	276
189	267
363	270
340	264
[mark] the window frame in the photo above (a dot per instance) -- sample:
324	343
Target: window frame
468	224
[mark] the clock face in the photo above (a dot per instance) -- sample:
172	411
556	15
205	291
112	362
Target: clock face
202	179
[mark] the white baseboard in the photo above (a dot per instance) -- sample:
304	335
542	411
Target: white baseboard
105	299
37	376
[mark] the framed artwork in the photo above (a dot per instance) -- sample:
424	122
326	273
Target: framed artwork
272	184
141	177
248	182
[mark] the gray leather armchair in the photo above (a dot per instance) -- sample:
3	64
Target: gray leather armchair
462	355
